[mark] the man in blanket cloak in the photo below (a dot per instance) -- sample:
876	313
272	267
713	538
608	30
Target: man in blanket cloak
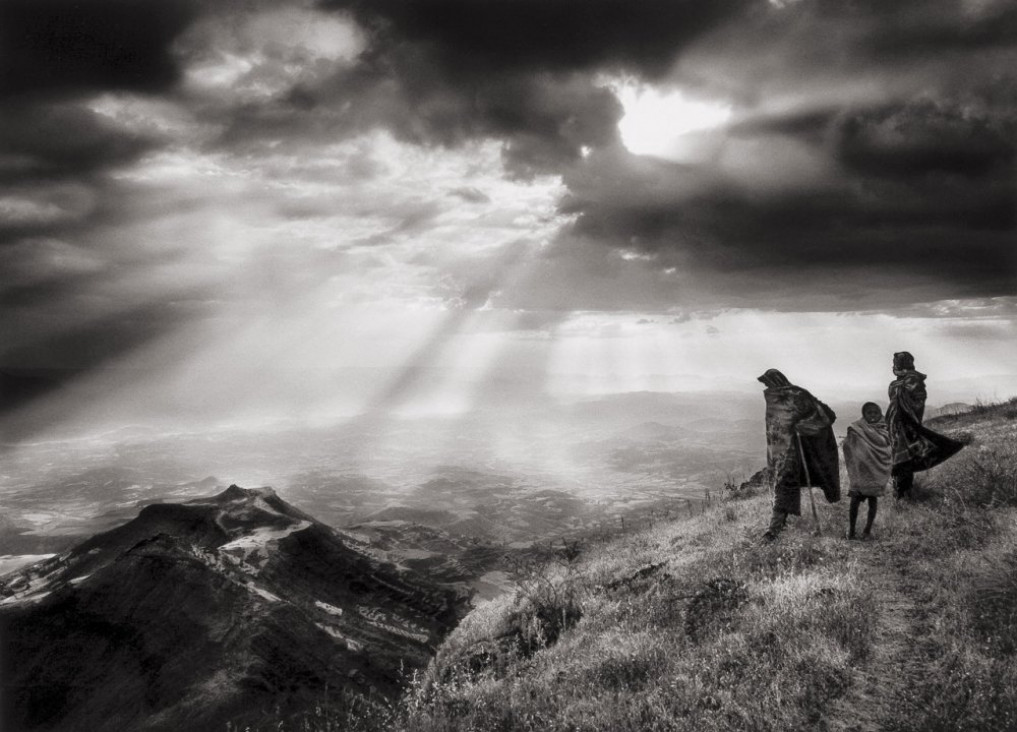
801	450
914	447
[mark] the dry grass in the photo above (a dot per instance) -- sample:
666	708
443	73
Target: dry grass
958	548
695	625
691	625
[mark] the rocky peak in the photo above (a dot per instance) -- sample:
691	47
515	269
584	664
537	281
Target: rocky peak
236	493
197	612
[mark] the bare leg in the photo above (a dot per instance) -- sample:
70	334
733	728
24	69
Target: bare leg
853	515
873	505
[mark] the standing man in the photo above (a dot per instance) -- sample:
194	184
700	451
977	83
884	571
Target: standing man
914	447
801	450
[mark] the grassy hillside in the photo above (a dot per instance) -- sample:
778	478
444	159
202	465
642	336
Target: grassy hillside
694	625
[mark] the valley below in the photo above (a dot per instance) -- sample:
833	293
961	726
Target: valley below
194	578
444	495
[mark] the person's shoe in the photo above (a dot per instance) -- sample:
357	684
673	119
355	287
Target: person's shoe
866	535
768	537
851	536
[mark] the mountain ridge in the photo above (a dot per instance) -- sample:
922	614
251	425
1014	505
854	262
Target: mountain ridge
196	613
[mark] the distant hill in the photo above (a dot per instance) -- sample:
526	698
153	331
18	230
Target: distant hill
664	407
948	410
654	431
212	610
416	515
453	561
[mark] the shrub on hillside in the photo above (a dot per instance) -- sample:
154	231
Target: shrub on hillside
758	483
548	600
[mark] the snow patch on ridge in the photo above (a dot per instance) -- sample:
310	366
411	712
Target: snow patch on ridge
253	549
350	643
330	609
261	592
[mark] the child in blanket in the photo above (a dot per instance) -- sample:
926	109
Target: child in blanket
868	459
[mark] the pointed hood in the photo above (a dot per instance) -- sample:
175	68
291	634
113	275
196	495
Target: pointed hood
774	379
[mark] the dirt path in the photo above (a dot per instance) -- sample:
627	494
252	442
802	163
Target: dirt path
881	682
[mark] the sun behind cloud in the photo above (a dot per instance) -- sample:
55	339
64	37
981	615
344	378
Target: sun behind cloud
660	122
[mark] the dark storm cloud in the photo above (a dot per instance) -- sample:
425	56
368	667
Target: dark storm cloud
54	149
911	210
441	71
476	39
914	186
544	119
918	180
55	52
926	140
60	46
920	27
61	140
55	156
904	169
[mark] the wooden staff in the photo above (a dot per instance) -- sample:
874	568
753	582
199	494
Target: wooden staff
808	480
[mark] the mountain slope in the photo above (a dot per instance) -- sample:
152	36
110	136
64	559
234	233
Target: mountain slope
215	609
696	625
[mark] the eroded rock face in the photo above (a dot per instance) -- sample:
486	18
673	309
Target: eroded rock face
201	612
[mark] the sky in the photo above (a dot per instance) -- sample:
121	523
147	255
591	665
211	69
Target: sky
239	210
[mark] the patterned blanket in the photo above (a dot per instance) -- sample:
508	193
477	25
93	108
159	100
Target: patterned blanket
800	447
914	446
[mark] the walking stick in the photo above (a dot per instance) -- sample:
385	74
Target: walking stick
808	479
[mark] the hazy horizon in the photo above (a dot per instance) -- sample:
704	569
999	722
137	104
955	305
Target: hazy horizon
220	212
478	285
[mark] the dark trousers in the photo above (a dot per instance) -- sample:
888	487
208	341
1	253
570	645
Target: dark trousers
856	501
902	483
